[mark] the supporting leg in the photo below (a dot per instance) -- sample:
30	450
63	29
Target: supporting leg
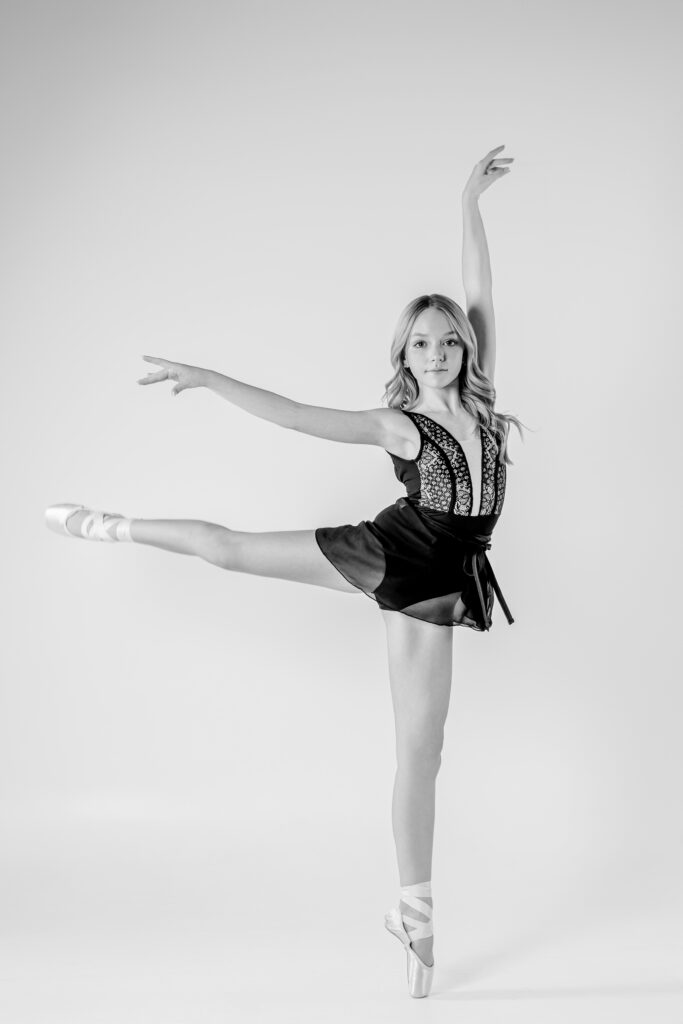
420	669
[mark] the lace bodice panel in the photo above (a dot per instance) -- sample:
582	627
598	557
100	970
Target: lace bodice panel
439	477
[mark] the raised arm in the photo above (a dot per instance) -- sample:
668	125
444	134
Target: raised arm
476	265
382	427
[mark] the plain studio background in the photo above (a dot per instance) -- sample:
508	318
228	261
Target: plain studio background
196	766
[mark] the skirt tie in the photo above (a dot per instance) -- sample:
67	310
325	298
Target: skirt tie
476	554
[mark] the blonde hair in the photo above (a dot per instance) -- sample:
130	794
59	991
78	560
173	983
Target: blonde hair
477	393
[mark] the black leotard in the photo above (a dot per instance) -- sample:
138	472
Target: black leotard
425	555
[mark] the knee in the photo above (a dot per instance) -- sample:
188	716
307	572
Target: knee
419	751
214	544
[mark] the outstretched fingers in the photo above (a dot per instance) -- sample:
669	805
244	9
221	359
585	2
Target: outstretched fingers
155	376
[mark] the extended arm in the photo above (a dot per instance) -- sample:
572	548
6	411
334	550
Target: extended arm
476	265
476	278
268	405
368	426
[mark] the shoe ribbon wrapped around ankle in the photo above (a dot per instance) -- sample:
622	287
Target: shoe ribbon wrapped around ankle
93	525
414	897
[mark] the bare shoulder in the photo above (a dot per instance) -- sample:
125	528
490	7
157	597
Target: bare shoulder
401	436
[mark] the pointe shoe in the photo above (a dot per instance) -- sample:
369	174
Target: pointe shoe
419	974
92	526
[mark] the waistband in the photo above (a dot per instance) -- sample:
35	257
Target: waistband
473	533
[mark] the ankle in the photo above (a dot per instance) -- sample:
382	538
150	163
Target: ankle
122	529
416	912
117	526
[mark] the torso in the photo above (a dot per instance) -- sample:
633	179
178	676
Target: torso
472	452
465	432
467	438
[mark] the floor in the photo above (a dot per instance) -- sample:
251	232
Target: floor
124	922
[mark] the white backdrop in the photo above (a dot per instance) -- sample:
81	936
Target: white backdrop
196	766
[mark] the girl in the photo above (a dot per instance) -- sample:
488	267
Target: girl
422	560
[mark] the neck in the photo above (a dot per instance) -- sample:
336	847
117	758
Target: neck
446	403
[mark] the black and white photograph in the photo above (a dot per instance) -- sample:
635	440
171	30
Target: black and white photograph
340	660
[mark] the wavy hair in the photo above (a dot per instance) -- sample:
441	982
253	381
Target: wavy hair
477	393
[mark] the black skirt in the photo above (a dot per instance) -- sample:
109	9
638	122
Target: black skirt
428	564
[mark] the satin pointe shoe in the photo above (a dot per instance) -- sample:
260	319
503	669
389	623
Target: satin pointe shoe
92	526
419	974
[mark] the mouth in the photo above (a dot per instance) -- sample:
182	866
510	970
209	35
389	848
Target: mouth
440	370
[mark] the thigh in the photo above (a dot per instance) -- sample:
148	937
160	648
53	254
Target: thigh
286	555
420	673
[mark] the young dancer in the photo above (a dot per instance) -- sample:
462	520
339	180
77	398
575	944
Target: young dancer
422	560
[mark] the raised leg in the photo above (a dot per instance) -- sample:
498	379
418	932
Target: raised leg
287	554
420	671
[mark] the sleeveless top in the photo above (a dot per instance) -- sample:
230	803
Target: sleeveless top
439	477
425	555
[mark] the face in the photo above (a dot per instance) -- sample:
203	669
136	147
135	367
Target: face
432	346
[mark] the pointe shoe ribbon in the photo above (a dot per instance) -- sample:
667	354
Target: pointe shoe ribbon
92	526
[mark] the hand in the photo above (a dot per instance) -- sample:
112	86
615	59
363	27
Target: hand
186	376
486	172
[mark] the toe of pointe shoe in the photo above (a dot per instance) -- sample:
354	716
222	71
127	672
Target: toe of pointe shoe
57	515
419	976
